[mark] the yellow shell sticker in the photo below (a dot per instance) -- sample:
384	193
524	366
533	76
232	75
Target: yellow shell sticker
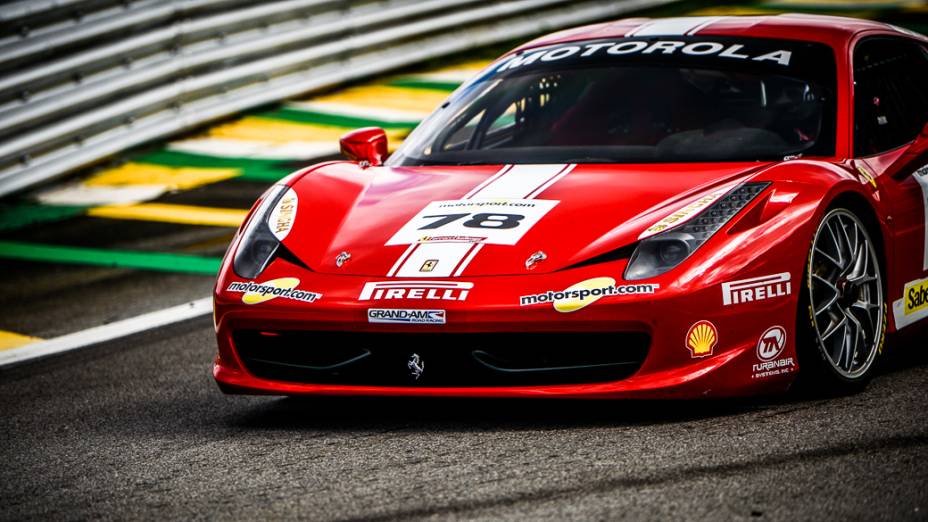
284	287
576	297
702	338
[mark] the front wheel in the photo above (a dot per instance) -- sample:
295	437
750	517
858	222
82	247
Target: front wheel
846	322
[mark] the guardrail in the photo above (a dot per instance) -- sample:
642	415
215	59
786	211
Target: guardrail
125	73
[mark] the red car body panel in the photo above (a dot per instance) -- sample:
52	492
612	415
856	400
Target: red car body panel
346	208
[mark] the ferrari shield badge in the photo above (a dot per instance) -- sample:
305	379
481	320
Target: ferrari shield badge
416	366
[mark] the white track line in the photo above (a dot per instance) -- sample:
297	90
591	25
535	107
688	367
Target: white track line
106	332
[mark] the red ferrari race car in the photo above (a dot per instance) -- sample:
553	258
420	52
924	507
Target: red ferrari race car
684	207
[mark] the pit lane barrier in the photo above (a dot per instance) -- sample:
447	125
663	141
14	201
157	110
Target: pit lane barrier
83	80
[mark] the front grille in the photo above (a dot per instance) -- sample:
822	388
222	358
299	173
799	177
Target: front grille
447	359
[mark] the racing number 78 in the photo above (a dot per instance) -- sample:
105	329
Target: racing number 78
498	221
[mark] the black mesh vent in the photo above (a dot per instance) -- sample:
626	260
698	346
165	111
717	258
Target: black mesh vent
448	359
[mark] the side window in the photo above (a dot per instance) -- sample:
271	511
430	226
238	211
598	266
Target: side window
891	93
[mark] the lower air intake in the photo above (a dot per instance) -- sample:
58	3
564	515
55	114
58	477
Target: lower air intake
442	360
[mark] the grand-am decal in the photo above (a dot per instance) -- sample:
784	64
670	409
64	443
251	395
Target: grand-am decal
701	339
914	303
585	293
643	47
684	214
284	287
499	222
405	316
756	289
284	214
428	290
769	347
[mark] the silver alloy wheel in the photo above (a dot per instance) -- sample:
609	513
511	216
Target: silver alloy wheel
846	292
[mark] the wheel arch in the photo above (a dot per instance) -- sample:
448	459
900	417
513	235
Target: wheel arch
863	209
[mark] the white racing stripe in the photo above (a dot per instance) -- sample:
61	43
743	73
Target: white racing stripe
673	26
450	258
470	257
519	181
399	262
443	256
107	332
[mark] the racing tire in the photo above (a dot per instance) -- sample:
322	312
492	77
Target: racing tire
842	308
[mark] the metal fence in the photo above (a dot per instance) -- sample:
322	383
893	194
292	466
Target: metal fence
82	80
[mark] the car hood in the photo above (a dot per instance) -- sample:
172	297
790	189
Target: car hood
493	217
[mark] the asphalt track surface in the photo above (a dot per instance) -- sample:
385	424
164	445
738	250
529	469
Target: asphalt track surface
136	429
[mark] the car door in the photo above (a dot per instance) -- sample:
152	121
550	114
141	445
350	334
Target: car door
890	110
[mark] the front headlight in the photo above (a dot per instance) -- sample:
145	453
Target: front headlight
672	240
269	225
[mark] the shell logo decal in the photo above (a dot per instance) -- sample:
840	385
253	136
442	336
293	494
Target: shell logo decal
702	338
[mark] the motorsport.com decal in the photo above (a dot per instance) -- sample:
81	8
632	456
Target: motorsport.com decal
585	293
284	287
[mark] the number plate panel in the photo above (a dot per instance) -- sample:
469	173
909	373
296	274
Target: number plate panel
490	221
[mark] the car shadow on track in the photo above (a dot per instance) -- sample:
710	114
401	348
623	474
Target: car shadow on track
367	413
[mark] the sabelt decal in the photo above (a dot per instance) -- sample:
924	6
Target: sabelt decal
284	287
428	290
585	293
684	214
913	306
916	297
756	289
284	214
770	346
405	316
497	222
701	339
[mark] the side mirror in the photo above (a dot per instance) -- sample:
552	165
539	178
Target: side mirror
916	151
367	146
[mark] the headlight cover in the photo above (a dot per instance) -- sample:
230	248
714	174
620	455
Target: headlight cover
269	225
662	251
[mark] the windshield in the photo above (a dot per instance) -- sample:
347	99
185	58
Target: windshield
638	101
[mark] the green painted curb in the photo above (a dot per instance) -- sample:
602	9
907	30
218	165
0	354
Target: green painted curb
163	262
15	216
298	115
434	85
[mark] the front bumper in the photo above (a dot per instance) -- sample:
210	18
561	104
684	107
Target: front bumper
492	311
